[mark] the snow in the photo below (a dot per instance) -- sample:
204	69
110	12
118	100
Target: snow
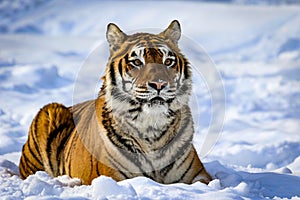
52	50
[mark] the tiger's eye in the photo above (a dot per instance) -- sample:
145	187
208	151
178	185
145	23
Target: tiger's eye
168	61
137	62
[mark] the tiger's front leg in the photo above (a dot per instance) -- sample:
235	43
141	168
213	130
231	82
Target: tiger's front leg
199	170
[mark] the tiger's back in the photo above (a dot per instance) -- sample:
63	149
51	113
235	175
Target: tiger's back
140	124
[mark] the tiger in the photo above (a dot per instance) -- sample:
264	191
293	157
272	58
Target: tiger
140	123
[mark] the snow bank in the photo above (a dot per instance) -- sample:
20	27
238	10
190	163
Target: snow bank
228	184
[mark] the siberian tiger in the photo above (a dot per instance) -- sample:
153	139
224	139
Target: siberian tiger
139	125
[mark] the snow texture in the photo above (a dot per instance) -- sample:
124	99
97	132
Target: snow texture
51	49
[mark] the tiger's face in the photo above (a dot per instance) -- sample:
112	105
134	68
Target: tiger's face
151	77
147	71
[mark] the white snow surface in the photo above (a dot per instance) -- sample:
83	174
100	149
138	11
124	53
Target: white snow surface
255	48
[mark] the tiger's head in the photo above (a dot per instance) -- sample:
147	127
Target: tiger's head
146	73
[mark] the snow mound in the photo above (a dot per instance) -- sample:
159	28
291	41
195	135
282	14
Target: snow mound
227	184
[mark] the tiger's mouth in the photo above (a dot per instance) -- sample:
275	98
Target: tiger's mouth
157	100
154	100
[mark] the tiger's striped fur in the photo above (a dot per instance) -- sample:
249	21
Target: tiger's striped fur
140	124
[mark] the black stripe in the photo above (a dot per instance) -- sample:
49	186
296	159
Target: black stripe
128	66
69	167
112	73
126	57
153	51
137	109
158	43
201	169
92	167
114	136
120	67
183	148
61	147
180	67
187	170
29	165
71	145
33	154
186	69
133	102
114	164
117	94
183	126
34	135
51	138
171	125
25	170
135	117
120	171
22	169
171	113
63	169
120	142
121	54
180	64
131	152
97	169
170	53
182	162
166	169
70	151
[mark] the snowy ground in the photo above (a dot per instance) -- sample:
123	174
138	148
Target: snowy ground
256	48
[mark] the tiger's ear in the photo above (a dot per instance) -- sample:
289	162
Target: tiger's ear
173	32
114	35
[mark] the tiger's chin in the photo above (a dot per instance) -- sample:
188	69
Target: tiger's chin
156	106
155	109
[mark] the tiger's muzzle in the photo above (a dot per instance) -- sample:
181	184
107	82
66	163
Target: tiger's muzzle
154	83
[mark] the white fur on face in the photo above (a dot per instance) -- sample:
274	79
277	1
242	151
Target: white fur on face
139	52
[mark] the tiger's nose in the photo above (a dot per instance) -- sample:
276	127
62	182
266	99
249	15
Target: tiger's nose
158	85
